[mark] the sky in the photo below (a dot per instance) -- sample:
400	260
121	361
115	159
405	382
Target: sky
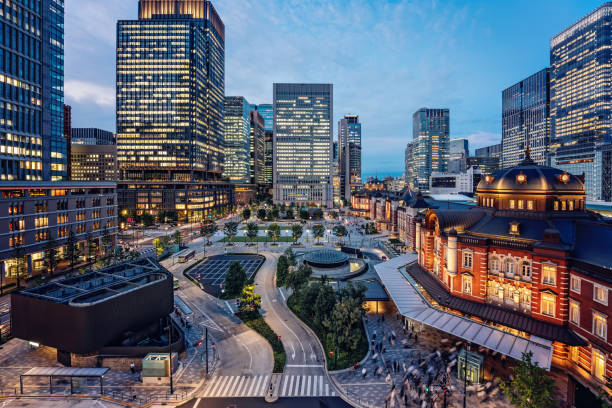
386	59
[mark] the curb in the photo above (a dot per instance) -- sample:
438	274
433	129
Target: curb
346	370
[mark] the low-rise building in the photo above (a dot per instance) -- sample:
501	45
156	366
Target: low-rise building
455	183
91	162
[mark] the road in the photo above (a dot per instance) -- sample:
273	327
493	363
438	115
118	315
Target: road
324	402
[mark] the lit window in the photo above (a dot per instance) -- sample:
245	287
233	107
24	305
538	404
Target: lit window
571	205
600	294
549	274
511	204
530	204
556	206
467	284
574	353
574	312
494	264
510	268
600	325
548	304
520	204
599	365
575	284
467	260
563	205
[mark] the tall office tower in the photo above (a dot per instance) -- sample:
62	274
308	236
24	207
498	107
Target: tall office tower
257	148
408	165
349	156
459	151
237	165
489	151
580	89
170	102
267	112
68	137
526	114
92	136
431	137
32	139
303	143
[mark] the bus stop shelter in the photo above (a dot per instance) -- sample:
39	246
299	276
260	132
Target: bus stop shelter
65	372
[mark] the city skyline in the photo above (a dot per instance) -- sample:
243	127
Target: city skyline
469	83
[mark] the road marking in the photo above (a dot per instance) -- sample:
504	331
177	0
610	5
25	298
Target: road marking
238	386
281	292
228	306
197	403
227	386
308	389
304	366
264	385
193	304
285	380
251	385
326	389
303	386
290	386
256	388
215	385
249	351
321	384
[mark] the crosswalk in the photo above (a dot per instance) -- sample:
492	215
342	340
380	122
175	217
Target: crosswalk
258	386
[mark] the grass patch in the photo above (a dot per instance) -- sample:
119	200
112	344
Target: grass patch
257	323
258	239
265	227
342	359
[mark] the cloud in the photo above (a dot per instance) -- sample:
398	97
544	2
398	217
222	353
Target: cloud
85	92
481	139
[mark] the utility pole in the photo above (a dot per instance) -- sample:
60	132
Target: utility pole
170	348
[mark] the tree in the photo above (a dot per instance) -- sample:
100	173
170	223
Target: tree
299	278
250	302
178	240
275	230
161	216
291	257
235	279
289	214
603	395
304	214
318	230
246	214
147	219
342	323
340	231
275	213
20	263
261	214
324	304
296	232
208	229
317	213
282	269
333	215
50	259
72	248
252	231
530	385
230	229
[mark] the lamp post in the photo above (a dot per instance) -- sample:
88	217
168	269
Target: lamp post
170	349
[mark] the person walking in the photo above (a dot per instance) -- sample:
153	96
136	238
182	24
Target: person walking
363	373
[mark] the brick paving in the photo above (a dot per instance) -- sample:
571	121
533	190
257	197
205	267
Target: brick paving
377	389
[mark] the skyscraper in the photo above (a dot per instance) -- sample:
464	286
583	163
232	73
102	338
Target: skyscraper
408	165
526	111
580	89
459	151
170	97
257	148
303	143
349	156
430	138
489	151
237	165
267	112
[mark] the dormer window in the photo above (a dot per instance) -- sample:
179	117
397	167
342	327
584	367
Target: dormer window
521	178
489	179
530	204
514	228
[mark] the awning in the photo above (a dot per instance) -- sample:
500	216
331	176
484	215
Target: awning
412	305
65	372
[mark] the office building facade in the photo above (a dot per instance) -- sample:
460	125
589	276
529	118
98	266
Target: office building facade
266	110
303	143
489	151
170	103
237	165
408	165
580	85
526	115
486	164
257	148
92	136
92	162
349	156
459	151
430	144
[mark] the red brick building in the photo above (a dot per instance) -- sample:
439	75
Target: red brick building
529	260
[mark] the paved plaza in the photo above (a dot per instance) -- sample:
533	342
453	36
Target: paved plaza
211	273
422	367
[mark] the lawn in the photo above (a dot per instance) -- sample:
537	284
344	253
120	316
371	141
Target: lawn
258	239
342	359
265	227
257	323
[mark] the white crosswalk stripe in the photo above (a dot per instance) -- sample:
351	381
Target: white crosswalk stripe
258	386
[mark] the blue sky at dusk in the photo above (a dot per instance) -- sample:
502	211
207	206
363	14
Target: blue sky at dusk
386	59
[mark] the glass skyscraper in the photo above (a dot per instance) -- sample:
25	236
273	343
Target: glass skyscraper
526	113
237	140
267	112
32	142
459	151
303	143
257	148
349	156
170	103
580	89
430	144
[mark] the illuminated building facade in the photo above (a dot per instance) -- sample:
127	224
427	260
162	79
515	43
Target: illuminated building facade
257	148
303	143
459	151
91	162
237	166
430	144
267	112
170	103
92	136
526	113
489	151
408	165
32	142
349	156
580	85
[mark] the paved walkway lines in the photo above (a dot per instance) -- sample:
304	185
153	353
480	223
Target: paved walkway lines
258	385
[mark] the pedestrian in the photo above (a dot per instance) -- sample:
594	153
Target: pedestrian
388	378
383	318
363	372
132	367
416	339
404	366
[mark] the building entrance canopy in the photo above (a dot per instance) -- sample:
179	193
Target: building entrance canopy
411	304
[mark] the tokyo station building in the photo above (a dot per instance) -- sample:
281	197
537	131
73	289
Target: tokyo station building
529	260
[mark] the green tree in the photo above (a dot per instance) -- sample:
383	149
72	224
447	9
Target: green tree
208	229
342	324
333	215
235	279
296	231
275	230
304	214
230	229
50	259
20	266
73	250
324	304
147	219
176	237
289	214
282	269
340	231
261	214
307	297
299	278
318	230
530	385
250	302
291	259
252	231
160	217
246	214
275	213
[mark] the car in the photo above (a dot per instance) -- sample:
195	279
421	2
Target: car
384	257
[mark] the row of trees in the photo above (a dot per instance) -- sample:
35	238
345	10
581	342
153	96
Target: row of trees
164	242
275	212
